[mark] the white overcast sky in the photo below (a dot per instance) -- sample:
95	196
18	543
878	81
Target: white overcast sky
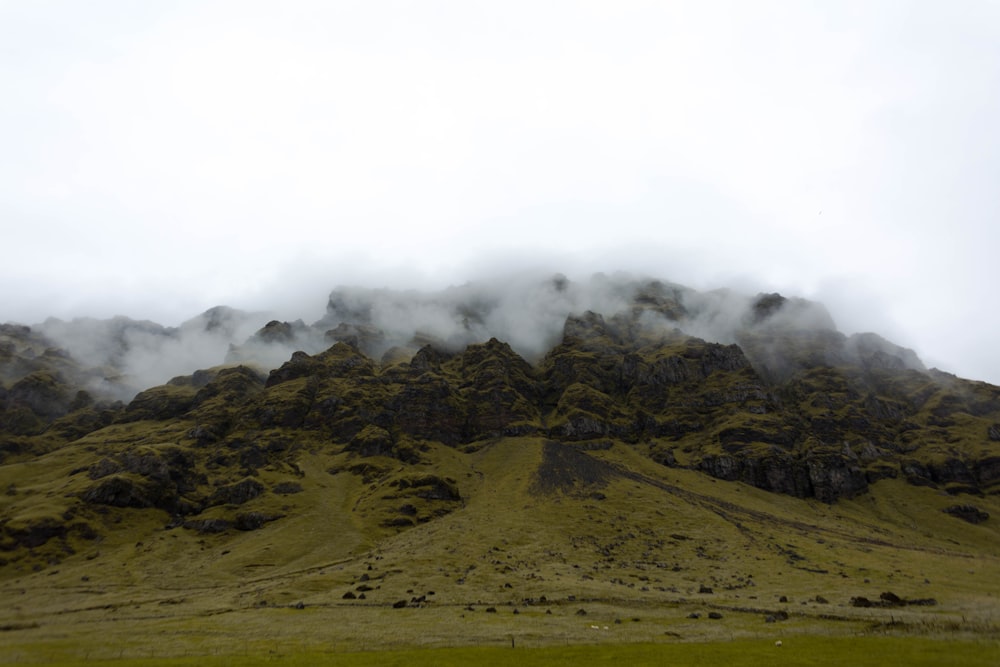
159	158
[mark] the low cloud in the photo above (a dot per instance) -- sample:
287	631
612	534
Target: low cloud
526	308
126	355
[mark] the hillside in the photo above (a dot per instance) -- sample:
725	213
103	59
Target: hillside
408	465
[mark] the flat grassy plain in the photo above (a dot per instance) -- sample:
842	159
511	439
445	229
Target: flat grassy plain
806	651
613	558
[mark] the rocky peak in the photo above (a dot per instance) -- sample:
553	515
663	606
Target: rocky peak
777	311
588	326
428	358
773	407
276	332
663	299
872	351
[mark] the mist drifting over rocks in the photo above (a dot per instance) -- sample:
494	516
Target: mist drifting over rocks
529	312
532	315
125	356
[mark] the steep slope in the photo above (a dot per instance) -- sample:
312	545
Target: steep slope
555	537
848	413
631	467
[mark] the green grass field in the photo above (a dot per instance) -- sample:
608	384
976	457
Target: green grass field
803	651
610	566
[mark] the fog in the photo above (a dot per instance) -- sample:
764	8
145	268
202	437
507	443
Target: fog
132	355
526	308
160	159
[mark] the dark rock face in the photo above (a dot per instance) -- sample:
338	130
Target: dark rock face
874	353
825	476
359	336
951	470
793	407
428	407
430	487
43	393
277	332
796	408
300	365
954	474
832	476
612	379
767	305
341	360
253	520
567	469
40	532
428	358
147	465
287	488
213	404
144	477
588	414
238	493
208	526
987	470
504	398
125	492
37	534
372	441
160	404
969	513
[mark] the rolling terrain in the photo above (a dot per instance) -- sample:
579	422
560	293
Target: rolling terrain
618	480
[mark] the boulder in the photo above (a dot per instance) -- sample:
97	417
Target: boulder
208	526
236	494
43	393
122	491
371	441
253	520
969	513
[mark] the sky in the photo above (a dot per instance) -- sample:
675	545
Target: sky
159	158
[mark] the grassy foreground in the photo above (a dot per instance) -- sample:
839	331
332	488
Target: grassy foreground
816	651
626	561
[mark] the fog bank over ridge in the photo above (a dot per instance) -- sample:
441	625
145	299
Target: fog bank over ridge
527	310
166	159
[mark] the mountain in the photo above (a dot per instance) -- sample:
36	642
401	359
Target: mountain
626	442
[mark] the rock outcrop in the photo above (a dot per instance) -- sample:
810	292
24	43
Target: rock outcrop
785	402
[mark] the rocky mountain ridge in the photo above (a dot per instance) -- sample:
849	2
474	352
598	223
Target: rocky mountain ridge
789	405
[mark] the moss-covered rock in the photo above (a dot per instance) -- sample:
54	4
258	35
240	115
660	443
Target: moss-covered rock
372	441
161	403
44	393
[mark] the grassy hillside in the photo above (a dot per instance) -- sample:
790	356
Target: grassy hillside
634	485
553	538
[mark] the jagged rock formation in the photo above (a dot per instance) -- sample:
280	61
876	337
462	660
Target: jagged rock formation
782	402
